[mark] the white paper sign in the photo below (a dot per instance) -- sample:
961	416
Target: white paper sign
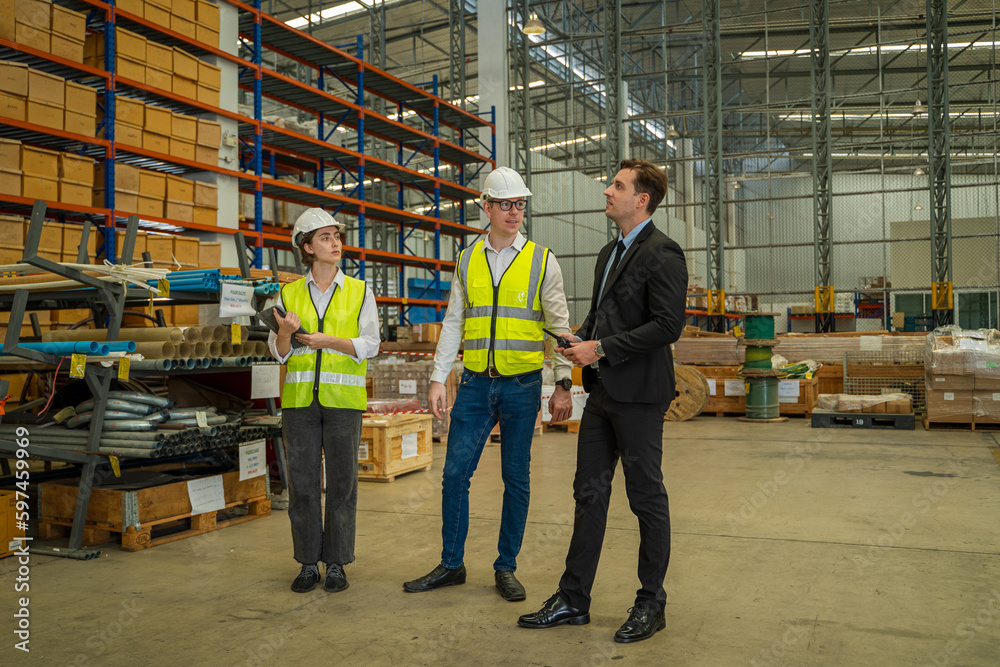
264	381
201	419
949	396
996	396
236	300
363	451
871	343
972	344
206	494
735	388
711	386
253	459
788	388
409	445
407	386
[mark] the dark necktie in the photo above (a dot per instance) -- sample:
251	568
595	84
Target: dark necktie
619	252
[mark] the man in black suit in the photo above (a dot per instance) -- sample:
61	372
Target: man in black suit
623	346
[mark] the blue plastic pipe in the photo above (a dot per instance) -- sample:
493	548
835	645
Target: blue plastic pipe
62	349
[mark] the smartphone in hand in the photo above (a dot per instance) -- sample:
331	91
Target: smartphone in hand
561	341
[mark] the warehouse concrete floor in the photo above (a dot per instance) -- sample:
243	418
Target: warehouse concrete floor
792	546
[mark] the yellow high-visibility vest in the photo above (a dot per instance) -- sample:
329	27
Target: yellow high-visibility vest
506	319
335	379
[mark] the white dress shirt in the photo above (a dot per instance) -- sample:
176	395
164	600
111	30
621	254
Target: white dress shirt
368	340
553	305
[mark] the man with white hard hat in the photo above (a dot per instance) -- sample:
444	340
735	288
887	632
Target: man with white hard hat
323	397
504	291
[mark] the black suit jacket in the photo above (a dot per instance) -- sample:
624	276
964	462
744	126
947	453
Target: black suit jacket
640	314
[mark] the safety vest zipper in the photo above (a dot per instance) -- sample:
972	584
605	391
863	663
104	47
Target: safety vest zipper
496	306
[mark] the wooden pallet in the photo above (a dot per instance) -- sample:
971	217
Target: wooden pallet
930	425
150	516
862	420
568	426
384	440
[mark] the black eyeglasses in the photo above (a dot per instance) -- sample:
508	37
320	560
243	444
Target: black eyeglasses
505	205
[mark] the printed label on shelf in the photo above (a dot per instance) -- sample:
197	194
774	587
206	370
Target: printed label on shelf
871	343
236	334
734	388
236	300
363	451
123	367
788	389
115	466
264	381
252	459
409	445
711	386
164	286
407	386
206	494
77	365
201	419
949	396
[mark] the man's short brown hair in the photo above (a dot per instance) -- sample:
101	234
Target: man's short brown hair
649	179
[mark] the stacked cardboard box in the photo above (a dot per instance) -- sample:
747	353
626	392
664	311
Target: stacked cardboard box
69	30
159	66
207	28
963	372
10	175
13	90
49	246
156	129
893	403
129	118
11	239
183	14
81	109
126	187
40	173
208	142
152	193
130	57
412	380
72	235
209	83
32	25
157	11
183	135
210	254
185	80
206	204
46	99
180	199
76	179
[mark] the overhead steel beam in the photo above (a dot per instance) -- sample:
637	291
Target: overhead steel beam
712	108
822	163
456	65
939	154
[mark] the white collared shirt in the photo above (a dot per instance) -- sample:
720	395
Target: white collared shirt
365	345
553	305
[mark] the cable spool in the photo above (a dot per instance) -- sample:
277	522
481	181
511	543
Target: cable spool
691	394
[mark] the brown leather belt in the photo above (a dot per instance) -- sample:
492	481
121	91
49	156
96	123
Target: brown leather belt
490	372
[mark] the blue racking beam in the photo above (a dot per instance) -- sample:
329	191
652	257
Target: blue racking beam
107	229
258	140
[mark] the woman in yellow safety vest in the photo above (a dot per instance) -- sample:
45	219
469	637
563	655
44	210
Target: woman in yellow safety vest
323	397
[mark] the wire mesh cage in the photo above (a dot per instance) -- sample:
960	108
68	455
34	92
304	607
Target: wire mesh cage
879	372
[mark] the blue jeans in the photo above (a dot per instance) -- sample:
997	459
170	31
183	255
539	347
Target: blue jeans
481	403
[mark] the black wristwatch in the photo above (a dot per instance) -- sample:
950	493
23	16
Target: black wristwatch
565	383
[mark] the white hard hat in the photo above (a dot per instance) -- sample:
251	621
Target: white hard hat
504	183
311	220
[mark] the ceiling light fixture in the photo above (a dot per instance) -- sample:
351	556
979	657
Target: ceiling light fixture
919	172
672	133
918	108
533	26
918	207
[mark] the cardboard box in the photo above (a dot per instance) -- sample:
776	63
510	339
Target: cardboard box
45	87
184	127
129	45
76	168
987	383
394	444
157	13
181	211
45	114
13	106
10	153
180	189
128	134
183	26
10	182
206	195
206	155
66	47
158	55
159	78
209	96
140	244
951	382
160	246
185	64
210	253
185	9
184	315
950	406
126	177
130	68
78	194
987	404
186	249
39	187
14	78
78	123
155	142
428	332
33	37
7	22
185	88
205	215
33	12
206	35
130	111
81	99
209	133
158	120
181	148
209	75
150	207
11	231
207	14
126	201
153	184
67	23
131	6
72	235
39	162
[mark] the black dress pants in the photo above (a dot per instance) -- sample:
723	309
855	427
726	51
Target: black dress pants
632	432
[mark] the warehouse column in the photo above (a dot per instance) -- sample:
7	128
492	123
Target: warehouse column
456	29
521	104
614	103
822	86
712	106
493	34
378	231
939	154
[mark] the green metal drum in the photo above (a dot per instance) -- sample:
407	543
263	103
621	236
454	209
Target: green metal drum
759	325
762	400
757	357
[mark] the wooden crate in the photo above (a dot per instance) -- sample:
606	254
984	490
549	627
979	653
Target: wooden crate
137	514
806	403
718	403
380	458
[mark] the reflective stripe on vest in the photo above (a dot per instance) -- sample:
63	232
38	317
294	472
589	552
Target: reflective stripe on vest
509	314
340	382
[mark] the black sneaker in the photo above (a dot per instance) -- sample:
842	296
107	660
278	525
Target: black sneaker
307	579
336	580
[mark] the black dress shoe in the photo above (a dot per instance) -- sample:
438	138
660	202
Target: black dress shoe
554	612
510	588
644	620
307	579
336	580
439	577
